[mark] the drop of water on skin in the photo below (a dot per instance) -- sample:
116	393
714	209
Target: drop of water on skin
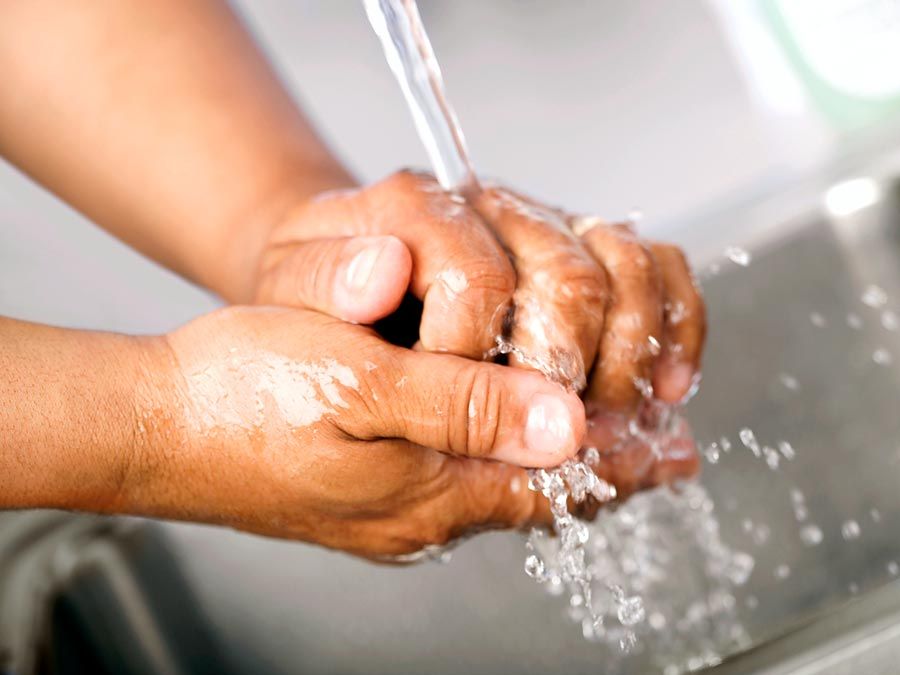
811	535
850	530
817	319
643	386
874	296
789	381
882	357
890	320
782	572
738	255
854	321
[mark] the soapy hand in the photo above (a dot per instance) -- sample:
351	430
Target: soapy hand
571	296
294	424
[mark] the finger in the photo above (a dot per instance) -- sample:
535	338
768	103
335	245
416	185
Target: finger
497	496
472	409
630	342
561	290
684	326
633	462
460	270
359	279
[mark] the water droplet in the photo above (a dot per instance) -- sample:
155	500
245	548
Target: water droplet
761	534
738	255
811	535
534	567
850	530
817	319
712	454
875	515
748	438
555	585
631	611
853	588
782	572
893	568
855	321
882	357
773	459
627	642
789	381
874	296
787	450
643	385
740	568
889	320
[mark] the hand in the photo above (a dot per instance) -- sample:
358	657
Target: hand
605	303
294	424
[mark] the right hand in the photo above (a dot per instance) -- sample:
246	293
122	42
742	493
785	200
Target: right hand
293	424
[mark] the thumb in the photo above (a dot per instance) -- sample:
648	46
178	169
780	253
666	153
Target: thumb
359	279
480	410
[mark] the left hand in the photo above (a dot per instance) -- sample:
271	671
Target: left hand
604	304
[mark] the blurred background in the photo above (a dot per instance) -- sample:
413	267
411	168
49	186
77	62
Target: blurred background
725	122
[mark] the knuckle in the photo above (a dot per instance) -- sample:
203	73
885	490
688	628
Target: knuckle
489	277
410	180
581	281
479	405
313	276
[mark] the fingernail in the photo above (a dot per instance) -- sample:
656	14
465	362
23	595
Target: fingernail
549	426
359	271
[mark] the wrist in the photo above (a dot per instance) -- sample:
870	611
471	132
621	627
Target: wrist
248	237
68	424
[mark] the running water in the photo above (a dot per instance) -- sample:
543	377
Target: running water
409	54
618	569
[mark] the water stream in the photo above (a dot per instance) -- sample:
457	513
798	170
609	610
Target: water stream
616	570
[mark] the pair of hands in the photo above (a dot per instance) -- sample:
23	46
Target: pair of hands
297	423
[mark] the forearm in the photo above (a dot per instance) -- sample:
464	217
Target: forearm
163	123
71	409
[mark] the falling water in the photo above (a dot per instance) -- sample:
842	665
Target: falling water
409	54
613	566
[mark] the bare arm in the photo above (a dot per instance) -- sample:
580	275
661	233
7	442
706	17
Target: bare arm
161	122
67	414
